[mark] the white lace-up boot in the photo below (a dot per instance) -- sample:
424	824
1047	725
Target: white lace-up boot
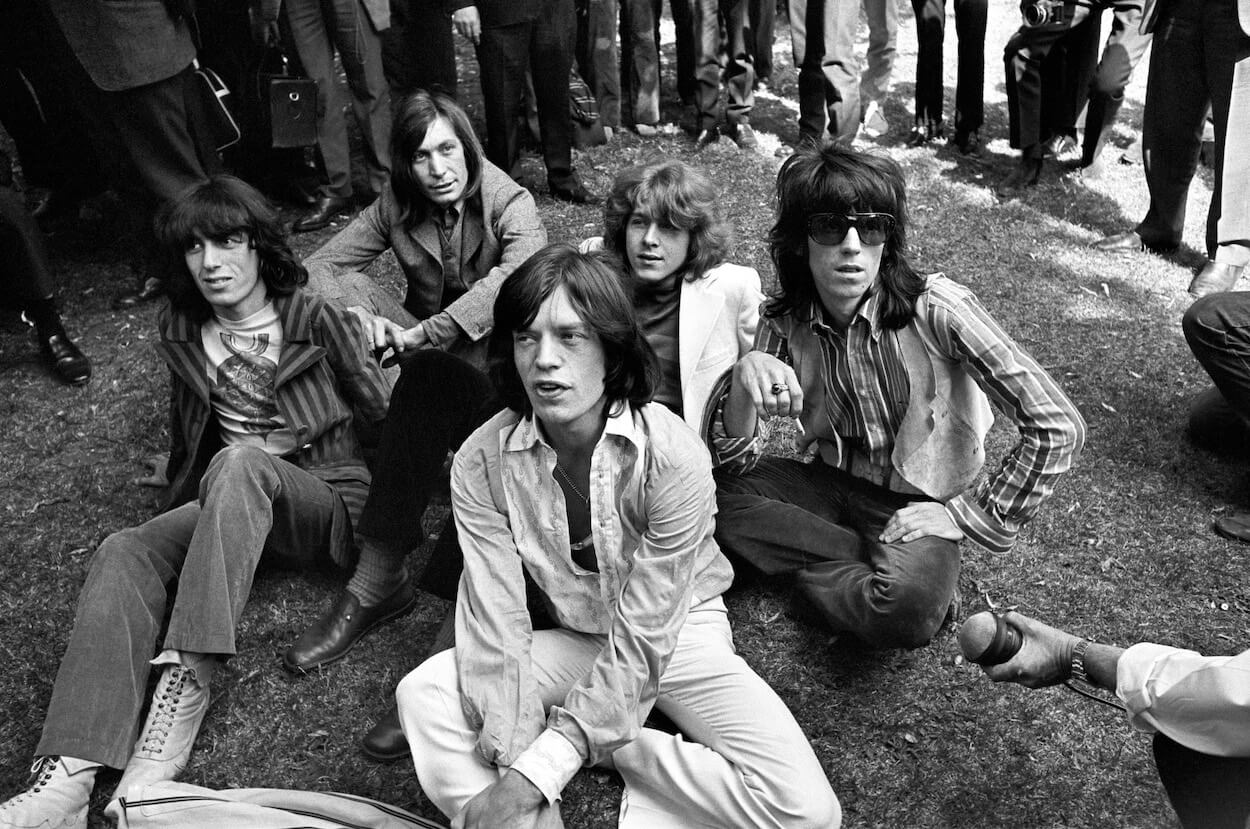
59	792
164	745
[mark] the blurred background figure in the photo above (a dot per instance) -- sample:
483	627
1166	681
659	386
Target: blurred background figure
351	28
26	284
1126	44
1200	58
1198	708
970	22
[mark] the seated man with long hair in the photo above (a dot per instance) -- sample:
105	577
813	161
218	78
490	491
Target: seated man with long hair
264	460
890	375
606	502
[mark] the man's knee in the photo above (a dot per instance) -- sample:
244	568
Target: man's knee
1203	318
236	465
805	801
419	694
909	613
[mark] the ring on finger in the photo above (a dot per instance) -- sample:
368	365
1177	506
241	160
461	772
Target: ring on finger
778	388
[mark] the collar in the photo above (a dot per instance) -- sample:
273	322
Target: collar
869	311
622	424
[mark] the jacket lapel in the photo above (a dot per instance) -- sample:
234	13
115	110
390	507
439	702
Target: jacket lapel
298	351
700	309
182	350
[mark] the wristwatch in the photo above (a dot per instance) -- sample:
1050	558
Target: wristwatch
1077	668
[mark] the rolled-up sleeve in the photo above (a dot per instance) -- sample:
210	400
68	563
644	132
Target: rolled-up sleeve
1201	702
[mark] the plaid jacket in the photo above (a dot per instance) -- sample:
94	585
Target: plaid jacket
324	373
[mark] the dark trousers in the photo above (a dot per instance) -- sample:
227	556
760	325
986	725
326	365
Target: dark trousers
1200	55
707	17
761	21
1206	792
197	562
418	51
24	272
823	525
822	39
1125	47
1217	328
970	22
543	46
599	63
1044	93
437	402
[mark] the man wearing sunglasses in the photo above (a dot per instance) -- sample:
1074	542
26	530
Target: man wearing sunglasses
890	375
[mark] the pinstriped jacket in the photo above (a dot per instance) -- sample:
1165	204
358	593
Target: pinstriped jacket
323	374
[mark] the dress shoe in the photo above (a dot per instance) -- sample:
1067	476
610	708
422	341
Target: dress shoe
1129	242
968	142
152	288
1214	278
332	636
386	742
574	192
743	136
925	132
59	792
64	358
1026	174
321	214
1235	527
705	137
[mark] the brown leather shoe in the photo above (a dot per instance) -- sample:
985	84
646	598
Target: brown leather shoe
385	742
1214	278
332	636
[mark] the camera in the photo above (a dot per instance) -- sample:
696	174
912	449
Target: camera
1041	12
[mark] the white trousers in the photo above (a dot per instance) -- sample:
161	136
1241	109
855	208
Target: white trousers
751	767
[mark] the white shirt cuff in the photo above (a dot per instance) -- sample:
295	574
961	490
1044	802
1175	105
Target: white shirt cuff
549	763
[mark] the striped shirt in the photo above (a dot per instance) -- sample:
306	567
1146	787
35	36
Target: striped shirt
867	392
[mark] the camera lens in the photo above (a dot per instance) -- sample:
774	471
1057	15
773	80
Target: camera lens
1036	14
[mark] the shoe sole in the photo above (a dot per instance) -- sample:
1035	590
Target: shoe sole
379	757
390	617
1231	536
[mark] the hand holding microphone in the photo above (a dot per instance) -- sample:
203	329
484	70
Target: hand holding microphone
1016	648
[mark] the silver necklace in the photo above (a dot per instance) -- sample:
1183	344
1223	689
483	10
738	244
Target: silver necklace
572	485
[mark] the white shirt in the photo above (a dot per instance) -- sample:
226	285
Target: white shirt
1201	702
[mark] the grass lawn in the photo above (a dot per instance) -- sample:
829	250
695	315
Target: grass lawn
1122	553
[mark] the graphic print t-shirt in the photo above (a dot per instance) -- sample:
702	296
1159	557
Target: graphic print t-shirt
242	366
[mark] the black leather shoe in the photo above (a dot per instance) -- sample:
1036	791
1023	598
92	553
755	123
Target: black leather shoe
332	636
708	136
64	358
322	212
152	288
575	193
1214	278
1026	174
1129	242
386	742
968	142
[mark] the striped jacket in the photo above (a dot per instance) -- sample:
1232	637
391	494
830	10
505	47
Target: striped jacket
324	373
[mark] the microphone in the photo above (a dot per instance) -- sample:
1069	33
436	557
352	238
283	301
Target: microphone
987	639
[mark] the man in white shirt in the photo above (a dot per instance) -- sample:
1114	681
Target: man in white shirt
1197	706
606	502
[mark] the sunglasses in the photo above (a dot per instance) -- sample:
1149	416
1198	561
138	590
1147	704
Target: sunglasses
831	228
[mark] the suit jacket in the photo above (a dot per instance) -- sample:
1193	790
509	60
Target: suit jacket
1151	8
500	228
716	325
124	44
324	372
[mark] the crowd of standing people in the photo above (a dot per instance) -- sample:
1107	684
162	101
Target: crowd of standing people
602	403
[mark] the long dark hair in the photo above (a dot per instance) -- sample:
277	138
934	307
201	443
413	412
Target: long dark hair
834	179
216	209
414	116
675	194
593	283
